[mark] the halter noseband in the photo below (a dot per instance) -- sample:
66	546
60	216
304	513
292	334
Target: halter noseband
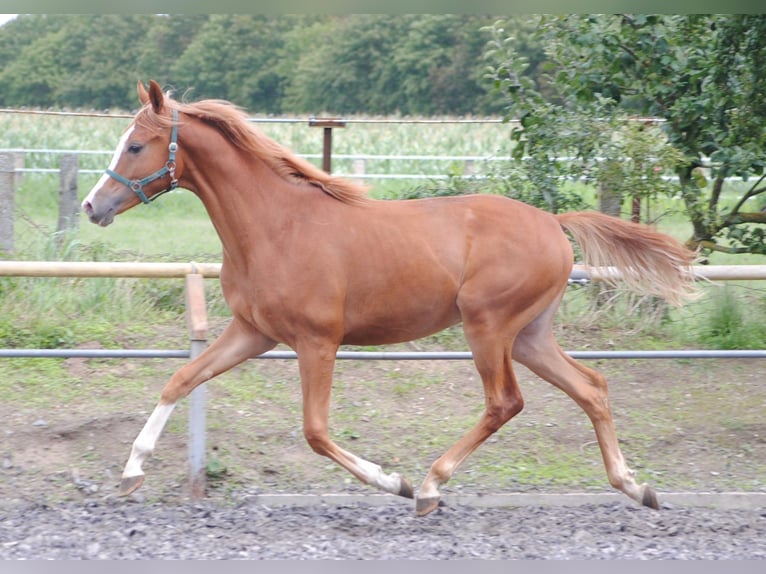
137	185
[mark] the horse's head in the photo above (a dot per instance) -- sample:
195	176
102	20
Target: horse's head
144	165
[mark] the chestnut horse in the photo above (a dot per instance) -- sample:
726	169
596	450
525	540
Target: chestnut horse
309	260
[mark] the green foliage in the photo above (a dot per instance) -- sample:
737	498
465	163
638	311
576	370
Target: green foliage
291	63
560	143
409	64
637	160
704	74
101	76
734	322
36	74
38	333
234	57
515	180
455	184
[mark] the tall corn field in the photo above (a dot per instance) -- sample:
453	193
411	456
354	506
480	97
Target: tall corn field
192	235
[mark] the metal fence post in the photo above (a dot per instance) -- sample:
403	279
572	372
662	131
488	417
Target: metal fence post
197	318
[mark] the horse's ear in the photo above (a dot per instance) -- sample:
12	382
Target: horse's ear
143	95
155	96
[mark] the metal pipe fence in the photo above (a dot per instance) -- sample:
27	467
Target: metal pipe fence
194	275
376	355
580	275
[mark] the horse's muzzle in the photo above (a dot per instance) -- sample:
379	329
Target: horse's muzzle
99	219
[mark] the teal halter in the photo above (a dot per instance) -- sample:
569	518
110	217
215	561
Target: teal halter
137	185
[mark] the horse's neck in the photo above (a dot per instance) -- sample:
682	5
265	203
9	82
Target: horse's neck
246	201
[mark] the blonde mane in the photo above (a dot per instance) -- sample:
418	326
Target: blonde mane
232	122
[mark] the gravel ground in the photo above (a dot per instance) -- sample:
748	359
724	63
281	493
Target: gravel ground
121	529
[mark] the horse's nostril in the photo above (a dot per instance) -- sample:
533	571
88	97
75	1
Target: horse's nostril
87	207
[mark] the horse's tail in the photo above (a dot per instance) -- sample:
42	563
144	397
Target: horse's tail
649	262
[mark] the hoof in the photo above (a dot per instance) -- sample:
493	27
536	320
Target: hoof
425	506
405	489
649	498
130	484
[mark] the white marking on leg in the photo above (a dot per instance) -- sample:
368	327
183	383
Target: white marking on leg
374	476
112	164
146	440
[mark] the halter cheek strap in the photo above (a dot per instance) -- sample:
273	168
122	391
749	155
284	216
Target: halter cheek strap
137	185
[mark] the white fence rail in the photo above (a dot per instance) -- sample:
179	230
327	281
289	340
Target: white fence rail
359	163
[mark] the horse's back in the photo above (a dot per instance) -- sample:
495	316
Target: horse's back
486	228
417	260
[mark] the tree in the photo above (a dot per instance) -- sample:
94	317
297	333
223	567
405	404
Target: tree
434	65
72	60
166	40
560	140
421	64
107	69
705	75
44	61
409	64
238	57
24	30
347	68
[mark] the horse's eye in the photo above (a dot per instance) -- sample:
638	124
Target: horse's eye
135	148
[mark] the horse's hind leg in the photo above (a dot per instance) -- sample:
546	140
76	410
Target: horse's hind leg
536	348
233	346
503	400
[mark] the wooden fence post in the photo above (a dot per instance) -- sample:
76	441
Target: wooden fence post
328	124
196	314
7	203
69	204
18	163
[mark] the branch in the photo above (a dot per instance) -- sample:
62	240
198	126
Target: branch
633	54
752	192
715	195
695	244
737	218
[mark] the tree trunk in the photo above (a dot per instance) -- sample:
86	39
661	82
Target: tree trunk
609	202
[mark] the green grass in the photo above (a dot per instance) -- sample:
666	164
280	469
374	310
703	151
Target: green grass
735	320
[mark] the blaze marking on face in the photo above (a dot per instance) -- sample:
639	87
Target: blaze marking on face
113	164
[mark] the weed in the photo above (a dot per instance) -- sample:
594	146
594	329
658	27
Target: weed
734	322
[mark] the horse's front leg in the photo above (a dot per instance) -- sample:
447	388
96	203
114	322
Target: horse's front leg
237	343
316	364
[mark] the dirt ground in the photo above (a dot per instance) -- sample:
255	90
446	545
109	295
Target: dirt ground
694	425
